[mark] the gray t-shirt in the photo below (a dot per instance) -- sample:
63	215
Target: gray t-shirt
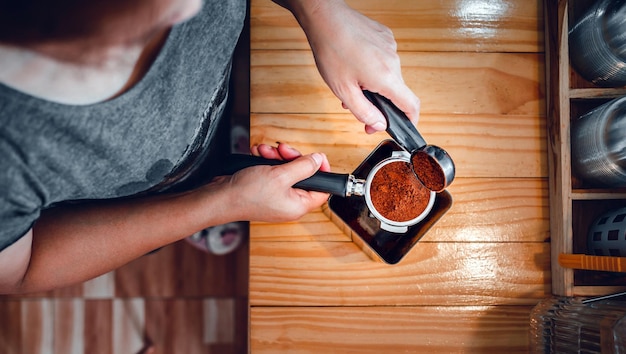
148	138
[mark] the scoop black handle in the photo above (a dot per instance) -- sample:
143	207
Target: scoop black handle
327	182
399	127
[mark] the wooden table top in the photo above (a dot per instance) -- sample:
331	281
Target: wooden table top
478	68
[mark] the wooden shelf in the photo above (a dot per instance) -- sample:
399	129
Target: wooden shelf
591	93
600	194
573	205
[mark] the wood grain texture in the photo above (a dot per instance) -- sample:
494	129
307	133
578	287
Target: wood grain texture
340	274
98	333
559	142
484	210
179	299
69	326
11	331
446	25
182	272
495	210
122	326
443	329
478	68
447	83
481	145
603	263
314	226
37	314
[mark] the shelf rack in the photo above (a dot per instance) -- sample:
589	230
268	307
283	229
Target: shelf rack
573	205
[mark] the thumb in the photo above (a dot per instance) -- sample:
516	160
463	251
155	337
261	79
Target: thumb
302	168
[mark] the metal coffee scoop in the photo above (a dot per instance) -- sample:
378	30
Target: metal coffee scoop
431	164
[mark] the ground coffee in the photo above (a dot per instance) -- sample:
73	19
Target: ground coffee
397	194
428	171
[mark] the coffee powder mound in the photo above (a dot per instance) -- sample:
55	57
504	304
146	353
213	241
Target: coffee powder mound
397	194
428	171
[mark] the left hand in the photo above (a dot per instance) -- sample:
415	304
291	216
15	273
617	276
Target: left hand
282	152
354	53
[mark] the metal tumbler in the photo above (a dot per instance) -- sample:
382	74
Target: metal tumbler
597	44
599	145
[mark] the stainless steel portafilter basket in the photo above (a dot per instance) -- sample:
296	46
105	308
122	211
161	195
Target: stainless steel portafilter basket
386	223
597	44
598	142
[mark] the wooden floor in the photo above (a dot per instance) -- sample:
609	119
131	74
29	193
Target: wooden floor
178	300
470	283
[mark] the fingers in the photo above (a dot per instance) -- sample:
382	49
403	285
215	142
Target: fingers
281	152
405	100
325	164
302	167
266	193
287	152
284	152
364	110
266	151
373	119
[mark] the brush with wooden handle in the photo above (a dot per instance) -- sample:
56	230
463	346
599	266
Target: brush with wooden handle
583	261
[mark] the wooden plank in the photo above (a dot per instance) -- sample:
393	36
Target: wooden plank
447	83
98	334
175	326
559	143
178	270
495	210
584	93
11	326
183	325
481	146
446	25
484	210
37	314
436	329
340	274
489	251
314	226
63	320
69	325
597	290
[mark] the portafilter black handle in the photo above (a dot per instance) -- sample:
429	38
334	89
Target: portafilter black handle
399	127
328	182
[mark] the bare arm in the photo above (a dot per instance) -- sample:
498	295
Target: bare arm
74	243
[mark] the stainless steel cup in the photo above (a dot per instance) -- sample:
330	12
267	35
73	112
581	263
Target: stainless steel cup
597	44
598	142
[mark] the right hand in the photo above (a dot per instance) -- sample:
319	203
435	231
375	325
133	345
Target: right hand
355	53
265	193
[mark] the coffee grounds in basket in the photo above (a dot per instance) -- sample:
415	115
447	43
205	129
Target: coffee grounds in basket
428	171
397	194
